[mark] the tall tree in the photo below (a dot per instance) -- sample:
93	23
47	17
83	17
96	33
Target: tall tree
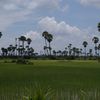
85	43
99	49
0	34
95	40
49	39
28	42
99	26
70	50
23	39
45	34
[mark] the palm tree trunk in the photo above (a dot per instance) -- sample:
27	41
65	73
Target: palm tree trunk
85	52
49	49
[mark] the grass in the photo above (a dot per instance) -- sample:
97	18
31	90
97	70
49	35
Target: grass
72	78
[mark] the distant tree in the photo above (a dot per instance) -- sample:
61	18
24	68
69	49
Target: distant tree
85	43
66	52
95	40
54	52
4	51
28	42
74	51
98	26
70	49
45	34
49	39
99	49
90	52
23	39
0	34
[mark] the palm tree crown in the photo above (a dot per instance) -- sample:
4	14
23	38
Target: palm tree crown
95	40
29	41
85	44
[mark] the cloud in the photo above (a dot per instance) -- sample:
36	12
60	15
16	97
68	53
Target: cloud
33	35
59	28
64	32
61	31
12	11
95	3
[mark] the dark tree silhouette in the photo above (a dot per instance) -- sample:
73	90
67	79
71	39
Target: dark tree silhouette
95	40
99	26
49	39
28	42
99	49
45	34
22	48
85	43
0	34
70	50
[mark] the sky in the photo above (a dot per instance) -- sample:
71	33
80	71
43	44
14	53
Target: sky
70	21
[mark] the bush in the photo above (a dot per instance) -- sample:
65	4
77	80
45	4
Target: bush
23	61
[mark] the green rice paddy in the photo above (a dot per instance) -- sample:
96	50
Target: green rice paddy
69	79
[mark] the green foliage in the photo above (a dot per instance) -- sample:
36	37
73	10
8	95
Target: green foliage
40	93
22	61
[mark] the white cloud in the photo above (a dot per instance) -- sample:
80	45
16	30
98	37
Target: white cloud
95	3
64	32
33	35
59	28
12	11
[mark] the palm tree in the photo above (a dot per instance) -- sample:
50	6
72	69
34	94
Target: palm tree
49	39
23	39
99	26
28	42
99	49
74	51
45	34
95	40
85	43
69	47
90	52
0	34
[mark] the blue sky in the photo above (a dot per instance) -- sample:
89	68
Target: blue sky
70	21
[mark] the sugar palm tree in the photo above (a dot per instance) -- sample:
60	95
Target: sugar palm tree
99	26
69	47
28	42
99	49
49	39
0	34
23	39
85	43
45	34
95	40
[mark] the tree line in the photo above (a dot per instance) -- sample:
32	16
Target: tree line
22	48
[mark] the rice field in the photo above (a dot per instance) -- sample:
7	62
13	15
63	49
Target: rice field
69	80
